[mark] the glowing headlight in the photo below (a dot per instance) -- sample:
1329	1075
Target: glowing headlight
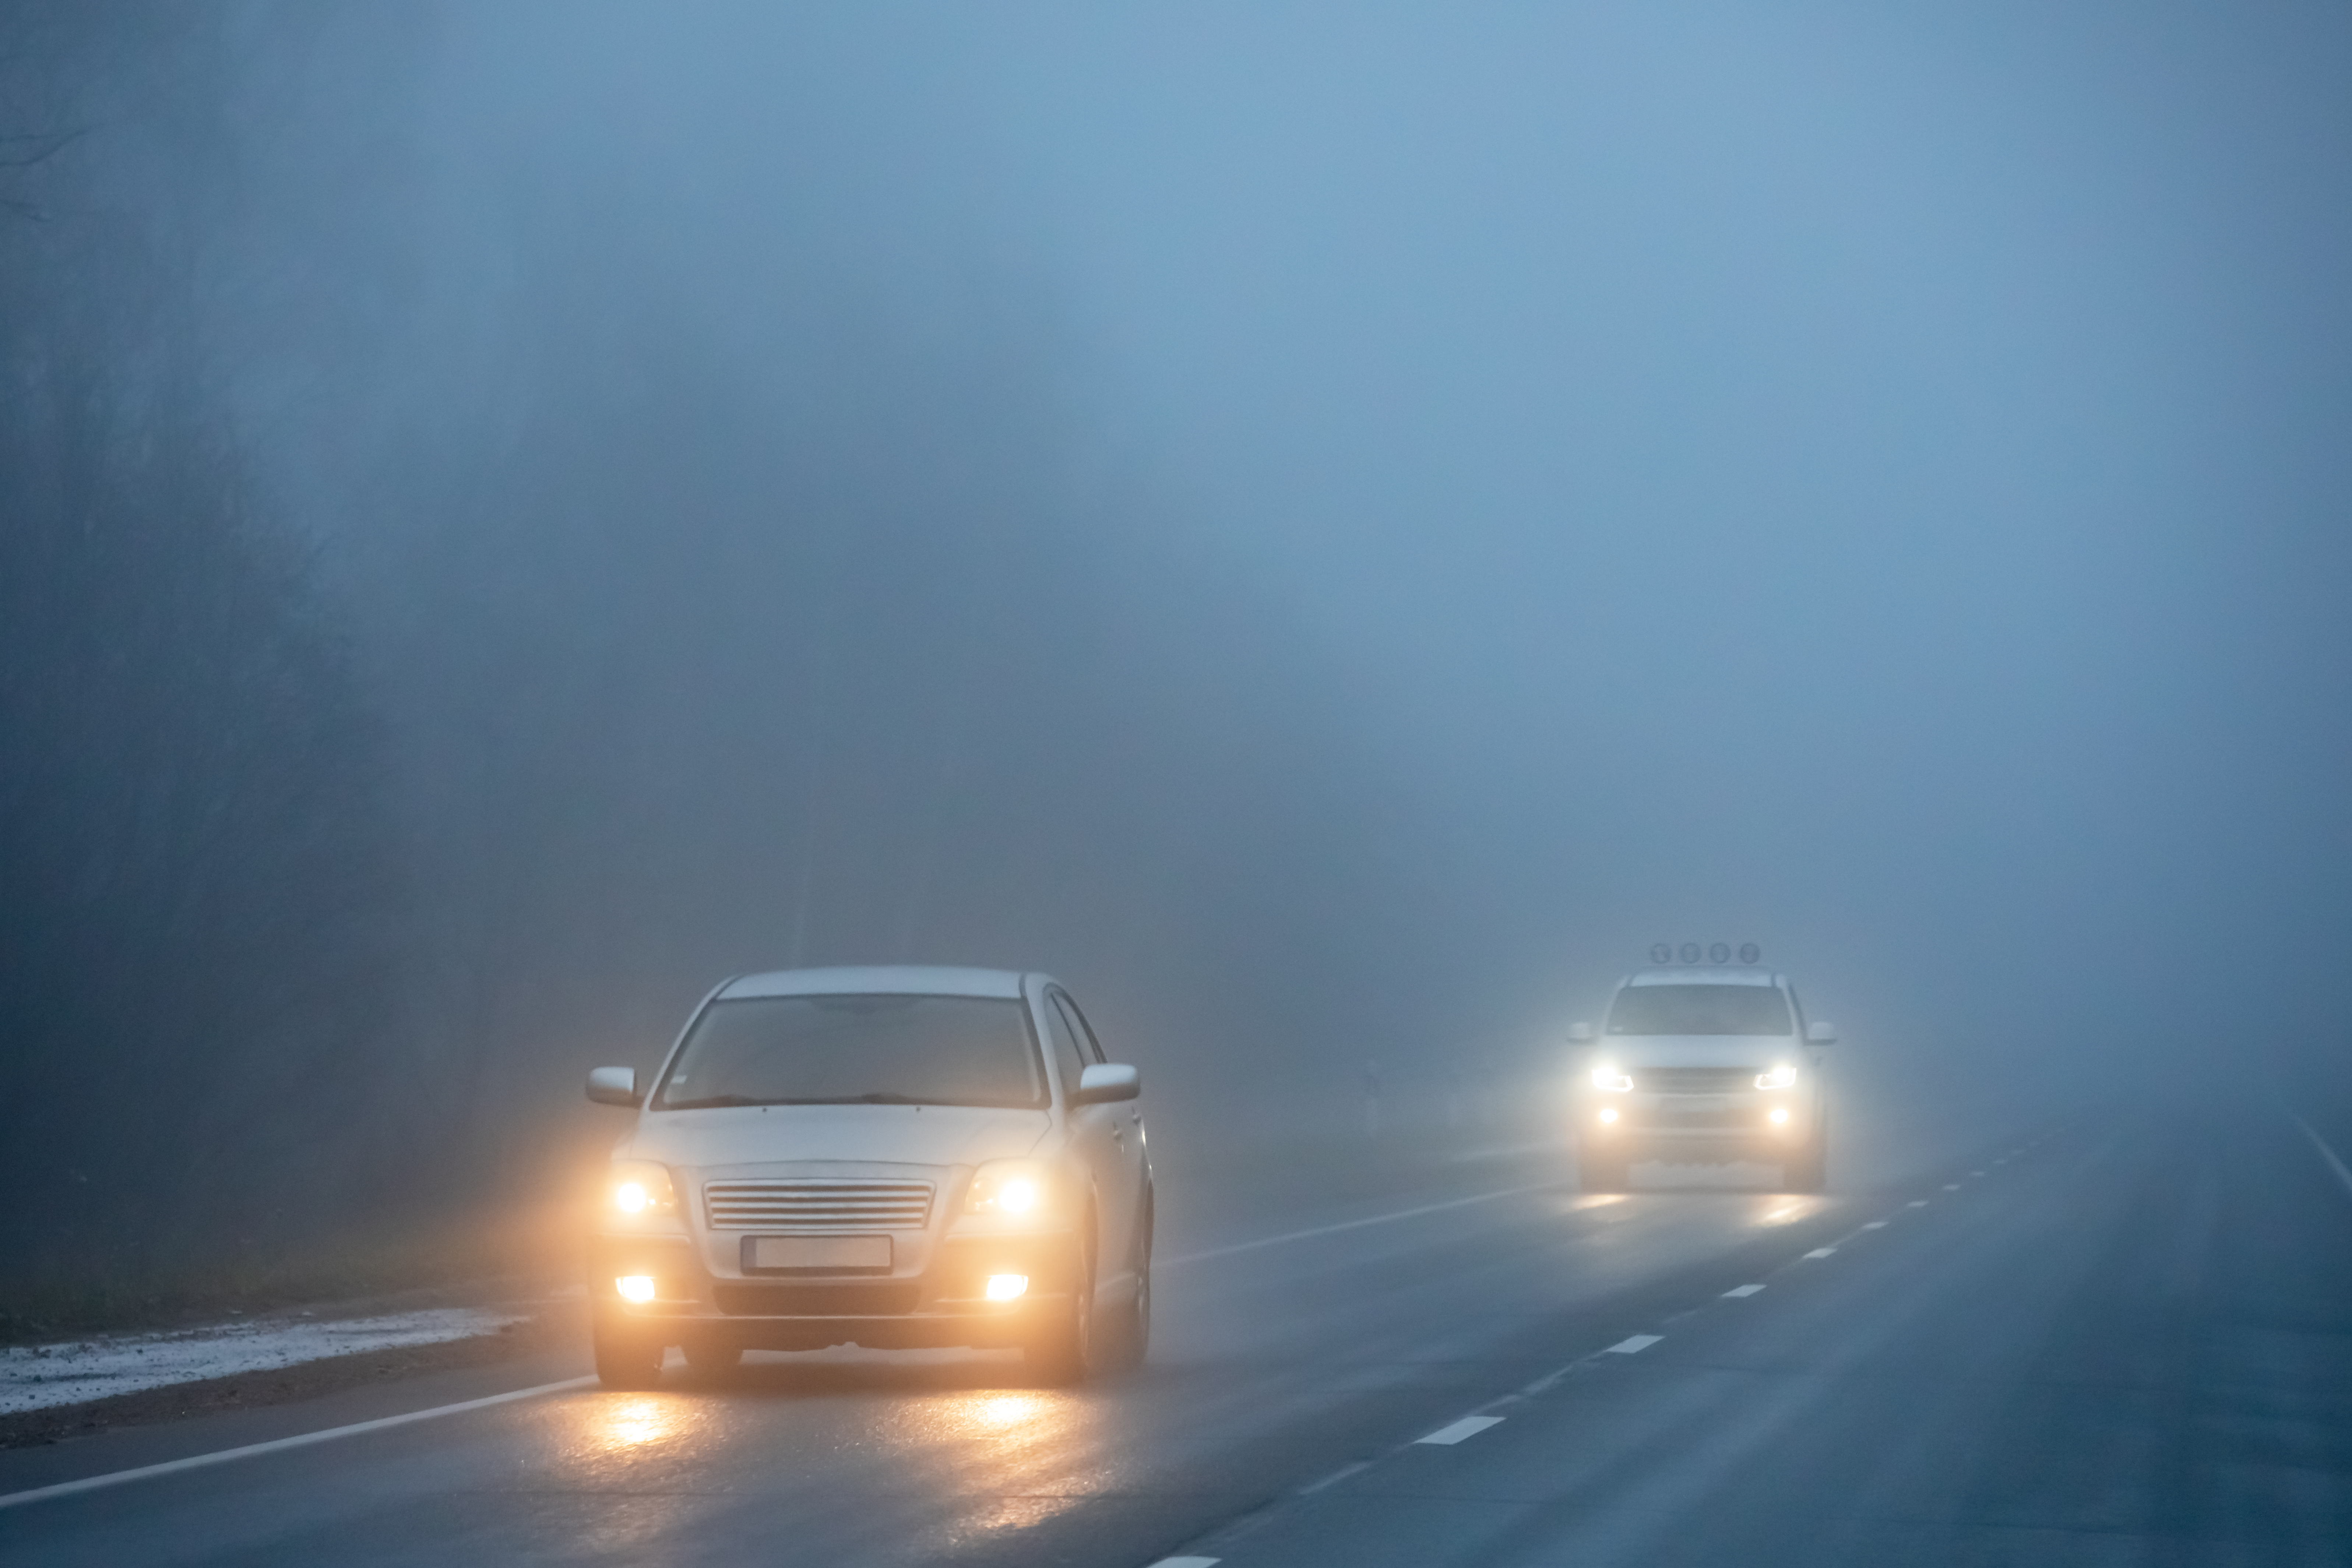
1009	1187
1781	1077
640	1187
635	1286
1007	1287
1606	1076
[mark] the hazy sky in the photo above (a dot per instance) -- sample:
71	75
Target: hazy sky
1868	480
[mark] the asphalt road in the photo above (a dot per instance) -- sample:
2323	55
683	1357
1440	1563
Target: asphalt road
2128	1341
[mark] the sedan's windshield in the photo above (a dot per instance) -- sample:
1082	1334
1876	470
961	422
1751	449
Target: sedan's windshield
857	1050
1699	1010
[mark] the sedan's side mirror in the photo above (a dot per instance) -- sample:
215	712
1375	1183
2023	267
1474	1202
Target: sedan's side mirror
1580	1033
1820	1034
613	1086
1107	1081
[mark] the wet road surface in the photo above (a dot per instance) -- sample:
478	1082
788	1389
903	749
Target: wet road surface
2127	1342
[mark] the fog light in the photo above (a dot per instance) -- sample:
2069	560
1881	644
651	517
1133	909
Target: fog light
1780	1115
635	1286
1609	1113
1007	1287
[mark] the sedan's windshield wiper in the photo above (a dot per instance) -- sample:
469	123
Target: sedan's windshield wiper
878	1096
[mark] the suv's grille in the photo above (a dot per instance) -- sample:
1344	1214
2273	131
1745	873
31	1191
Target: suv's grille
1694	1081
817	1205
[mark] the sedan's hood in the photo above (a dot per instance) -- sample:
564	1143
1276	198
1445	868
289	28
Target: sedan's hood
869	1135
1699	1050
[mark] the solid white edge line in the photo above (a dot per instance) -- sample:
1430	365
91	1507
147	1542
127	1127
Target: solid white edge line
1188	1562
1820	1252
1874	1224
198	1461
1453	1432
1634	1345
1739	1291
2327	1153
1357	1223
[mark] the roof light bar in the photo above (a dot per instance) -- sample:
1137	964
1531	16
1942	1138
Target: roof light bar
1720	952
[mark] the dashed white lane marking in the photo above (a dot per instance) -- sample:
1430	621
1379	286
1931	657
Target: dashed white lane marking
1310	1489
2327	1153
1188	1562
1468	1426
1974	1174
1471	1425
197	1461
1356	1224
1951	1186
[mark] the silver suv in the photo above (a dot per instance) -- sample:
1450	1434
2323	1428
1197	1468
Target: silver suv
1703	1065
893	1157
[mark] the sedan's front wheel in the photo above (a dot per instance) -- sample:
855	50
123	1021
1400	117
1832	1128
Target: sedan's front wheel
711	1355
627	1356
1131	1331
1062	1348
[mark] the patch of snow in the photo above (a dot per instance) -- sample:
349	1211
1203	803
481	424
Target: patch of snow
34	1377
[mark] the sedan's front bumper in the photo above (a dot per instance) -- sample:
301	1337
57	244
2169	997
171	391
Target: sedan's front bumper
945	1304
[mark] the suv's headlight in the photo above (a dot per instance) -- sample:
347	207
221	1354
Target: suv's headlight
1606	1076
1781	1077
1015	1187
640	1187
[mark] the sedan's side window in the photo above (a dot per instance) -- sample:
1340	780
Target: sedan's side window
1086	1041
1067	1061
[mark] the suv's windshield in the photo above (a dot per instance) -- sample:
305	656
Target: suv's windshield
857	1050
1699	1010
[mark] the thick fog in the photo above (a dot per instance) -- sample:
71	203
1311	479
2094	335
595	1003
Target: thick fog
1330	528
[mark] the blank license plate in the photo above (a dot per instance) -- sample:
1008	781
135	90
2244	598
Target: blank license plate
830	1254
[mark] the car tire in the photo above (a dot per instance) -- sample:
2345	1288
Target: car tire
1129	1338
1062	1348
1807	1172
711	1356
1603	1171
627	1357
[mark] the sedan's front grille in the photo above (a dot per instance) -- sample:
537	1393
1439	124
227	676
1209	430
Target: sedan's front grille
817	1205
1694	1081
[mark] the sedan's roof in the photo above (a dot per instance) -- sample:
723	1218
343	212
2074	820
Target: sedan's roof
878	980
